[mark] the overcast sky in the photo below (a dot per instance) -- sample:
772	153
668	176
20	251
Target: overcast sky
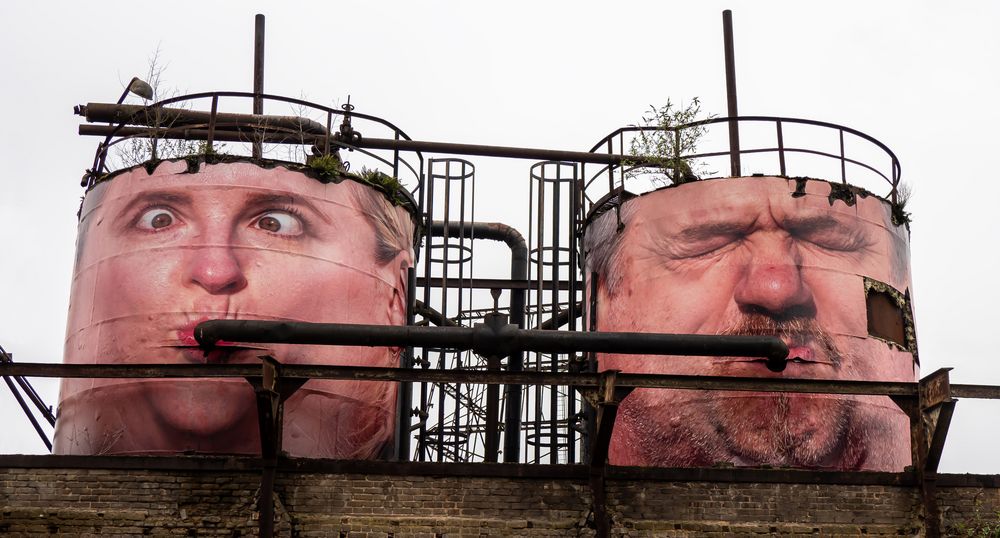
919	76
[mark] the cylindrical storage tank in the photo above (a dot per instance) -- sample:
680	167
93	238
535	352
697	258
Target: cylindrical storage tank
824	266
163	247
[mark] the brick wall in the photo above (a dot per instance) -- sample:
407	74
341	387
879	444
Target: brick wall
40	501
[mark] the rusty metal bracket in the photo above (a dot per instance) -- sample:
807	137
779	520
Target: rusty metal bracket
936	409
930	415
605	400
271	391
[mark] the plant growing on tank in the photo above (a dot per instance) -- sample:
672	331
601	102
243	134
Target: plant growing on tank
384	182
327	166
900	216
139	150
661	152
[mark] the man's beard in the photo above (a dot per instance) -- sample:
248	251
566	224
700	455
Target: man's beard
784	429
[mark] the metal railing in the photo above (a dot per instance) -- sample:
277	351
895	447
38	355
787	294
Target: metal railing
618	143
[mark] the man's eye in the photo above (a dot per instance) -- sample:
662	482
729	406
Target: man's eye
709	247
156	218
279	222
840	241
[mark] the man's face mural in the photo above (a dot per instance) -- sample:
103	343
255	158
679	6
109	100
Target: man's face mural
755	256
159	253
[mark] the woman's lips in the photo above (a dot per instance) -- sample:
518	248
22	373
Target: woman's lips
221	352
186	336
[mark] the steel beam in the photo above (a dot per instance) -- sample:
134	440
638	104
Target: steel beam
896	390
271	391
606	402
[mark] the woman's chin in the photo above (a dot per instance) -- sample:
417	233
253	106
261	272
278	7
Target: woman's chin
206	412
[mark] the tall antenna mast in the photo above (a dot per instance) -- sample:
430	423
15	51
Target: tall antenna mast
734	126
258	76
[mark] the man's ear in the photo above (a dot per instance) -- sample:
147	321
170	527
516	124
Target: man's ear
396	313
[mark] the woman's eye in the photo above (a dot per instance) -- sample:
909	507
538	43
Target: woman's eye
156	219
279	222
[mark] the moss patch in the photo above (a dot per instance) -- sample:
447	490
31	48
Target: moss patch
328	167
389	185
900	217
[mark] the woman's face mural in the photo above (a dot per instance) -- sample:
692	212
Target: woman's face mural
758	256
159	253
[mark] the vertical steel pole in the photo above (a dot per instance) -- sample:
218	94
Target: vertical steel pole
556	258
404	401
734	126
258	76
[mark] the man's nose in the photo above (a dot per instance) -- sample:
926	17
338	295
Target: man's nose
217	270
773	284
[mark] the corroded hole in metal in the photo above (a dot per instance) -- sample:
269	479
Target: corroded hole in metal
838	191
890	317
800	187
843	192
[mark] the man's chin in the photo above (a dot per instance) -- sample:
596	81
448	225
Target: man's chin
783	430
677	428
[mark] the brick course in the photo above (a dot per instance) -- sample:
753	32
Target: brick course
137	502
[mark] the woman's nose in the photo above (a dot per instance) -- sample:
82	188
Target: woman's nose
217	270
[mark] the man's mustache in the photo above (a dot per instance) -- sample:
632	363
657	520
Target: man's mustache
796	331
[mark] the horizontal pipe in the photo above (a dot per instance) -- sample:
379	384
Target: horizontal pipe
486	341
511	152
180	117
243	133
239	134
369	373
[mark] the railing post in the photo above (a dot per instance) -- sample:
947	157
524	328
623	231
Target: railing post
843	162
211	124
781	148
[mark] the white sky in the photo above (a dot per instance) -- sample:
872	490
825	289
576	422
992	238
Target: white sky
919	76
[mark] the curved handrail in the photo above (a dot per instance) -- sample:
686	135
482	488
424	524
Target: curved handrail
100	156
607	143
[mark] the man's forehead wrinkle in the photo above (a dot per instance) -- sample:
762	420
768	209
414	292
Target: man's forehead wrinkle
699	220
